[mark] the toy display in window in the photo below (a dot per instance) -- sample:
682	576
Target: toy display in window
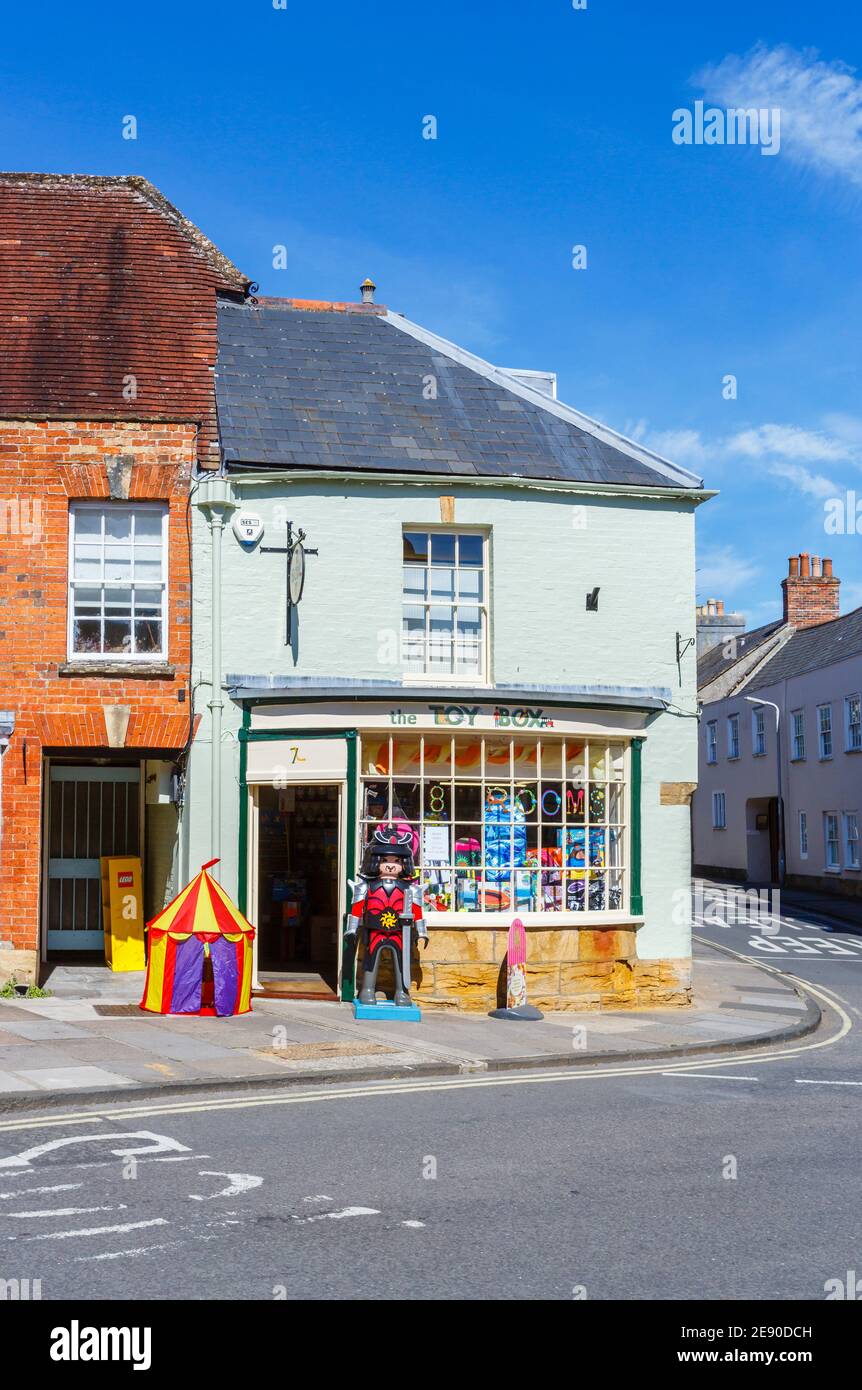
387	909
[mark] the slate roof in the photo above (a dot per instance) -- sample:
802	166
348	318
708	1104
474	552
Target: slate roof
714	663
341	387
813	648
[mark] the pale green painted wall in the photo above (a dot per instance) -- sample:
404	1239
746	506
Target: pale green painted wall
547	550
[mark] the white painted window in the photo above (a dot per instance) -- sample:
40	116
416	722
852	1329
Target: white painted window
832	842
798	717
851	840
824	730
444	613
712	742
853	723
733	736
504	825
758	732
803	834
719	811
118	572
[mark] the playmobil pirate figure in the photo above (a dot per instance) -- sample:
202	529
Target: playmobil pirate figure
387	906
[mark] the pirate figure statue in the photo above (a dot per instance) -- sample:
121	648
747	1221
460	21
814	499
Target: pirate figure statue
387	904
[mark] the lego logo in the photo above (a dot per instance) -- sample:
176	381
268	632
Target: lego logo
124	880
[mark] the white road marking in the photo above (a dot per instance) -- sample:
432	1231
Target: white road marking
238	1182
414	1225
336	1215
100	1230
321	1197
803	1081
26	1191
126	1254
66	1211
25	1159
708	1076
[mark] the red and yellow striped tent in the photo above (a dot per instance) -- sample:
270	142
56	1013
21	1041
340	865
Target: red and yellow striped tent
201	925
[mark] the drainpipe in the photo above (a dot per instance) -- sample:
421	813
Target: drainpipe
217	504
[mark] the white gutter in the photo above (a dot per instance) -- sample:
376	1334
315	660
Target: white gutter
244	474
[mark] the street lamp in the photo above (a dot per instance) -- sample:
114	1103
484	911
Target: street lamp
753	699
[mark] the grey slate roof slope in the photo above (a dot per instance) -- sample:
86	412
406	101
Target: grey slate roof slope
714	662
811	649
314	388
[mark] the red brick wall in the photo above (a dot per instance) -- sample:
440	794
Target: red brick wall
808	602
43	466
102	280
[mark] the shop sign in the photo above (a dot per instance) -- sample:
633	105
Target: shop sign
456	716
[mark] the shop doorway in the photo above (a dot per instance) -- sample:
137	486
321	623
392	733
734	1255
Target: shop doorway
298	834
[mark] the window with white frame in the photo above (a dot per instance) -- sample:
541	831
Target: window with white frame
798	718
851	840
712	742
719	811
803	834
832	843
758	732
824	730
504	824
853	723
118	562
444	614
733	736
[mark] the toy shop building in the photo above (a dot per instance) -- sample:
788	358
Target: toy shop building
483	647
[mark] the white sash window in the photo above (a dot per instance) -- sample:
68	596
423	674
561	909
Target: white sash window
118	570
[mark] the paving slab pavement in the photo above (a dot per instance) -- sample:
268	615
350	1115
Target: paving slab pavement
51	1049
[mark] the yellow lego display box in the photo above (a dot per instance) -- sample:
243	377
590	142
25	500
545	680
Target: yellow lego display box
123	913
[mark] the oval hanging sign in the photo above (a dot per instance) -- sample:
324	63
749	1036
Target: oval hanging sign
297	572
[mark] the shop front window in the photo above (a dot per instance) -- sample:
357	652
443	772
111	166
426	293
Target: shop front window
504	824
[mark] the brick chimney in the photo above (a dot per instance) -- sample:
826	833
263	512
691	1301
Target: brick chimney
810	591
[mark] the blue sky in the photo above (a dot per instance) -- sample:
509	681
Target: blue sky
303	126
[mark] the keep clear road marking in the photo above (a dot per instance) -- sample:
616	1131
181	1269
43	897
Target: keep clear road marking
95	1230
237	1183
161	1142
115	1113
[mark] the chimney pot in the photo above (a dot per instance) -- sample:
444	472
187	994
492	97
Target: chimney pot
721	608
811	591
366	289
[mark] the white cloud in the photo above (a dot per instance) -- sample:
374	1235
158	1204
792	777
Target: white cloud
847	427
679	446
722	570
788	442
784	451
820	102
811	484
